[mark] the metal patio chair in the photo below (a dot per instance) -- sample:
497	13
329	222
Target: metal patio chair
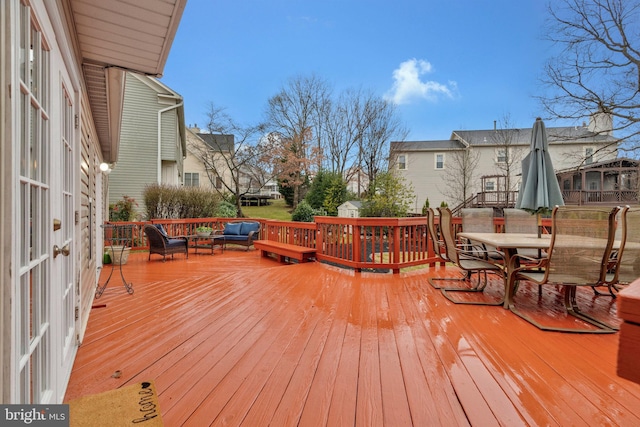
581	243
624	262
438	246
475	261
480	220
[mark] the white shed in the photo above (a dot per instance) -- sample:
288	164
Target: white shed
350	209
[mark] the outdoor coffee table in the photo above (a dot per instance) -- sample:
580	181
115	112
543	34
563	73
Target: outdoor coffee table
217	241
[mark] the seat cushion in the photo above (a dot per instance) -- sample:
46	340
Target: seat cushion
175	243
232	229
235	238
248	227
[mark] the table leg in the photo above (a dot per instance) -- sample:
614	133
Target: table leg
508	286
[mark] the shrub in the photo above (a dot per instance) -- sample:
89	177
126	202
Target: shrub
123	210
164	201
305	213
226	210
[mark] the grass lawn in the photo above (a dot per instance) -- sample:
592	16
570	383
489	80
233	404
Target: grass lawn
277	209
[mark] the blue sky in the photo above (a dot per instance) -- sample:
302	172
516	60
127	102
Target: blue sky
448	65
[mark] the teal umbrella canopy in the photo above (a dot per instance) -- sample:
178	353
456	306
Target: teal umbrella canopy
539	190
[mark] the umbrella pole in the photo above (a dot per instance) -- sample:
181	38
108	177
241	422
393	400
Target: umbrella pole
539	217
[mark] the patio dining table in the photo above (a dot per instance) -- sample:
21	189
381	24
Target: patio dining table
509	243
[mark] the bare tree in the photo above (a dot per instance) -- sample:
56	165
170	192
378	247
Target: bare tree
294	117
460	177
598	69
344	127
509	154
233	155
381	124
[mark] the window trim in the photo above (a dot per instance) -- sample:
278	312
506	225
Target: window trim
405	157
190	179
505	157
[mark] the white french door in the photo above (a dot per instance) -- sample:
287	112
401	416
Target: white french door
45	296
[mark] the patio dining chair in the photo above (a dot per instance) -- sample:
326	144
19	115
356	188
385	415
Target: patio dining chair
476	261
520	221
438	246
624	262
480	220
581	243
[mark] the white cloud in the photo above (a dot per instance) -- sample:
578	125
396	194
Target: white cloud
408	86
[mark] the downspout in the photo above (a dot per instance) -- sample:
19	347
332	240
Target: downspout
160	112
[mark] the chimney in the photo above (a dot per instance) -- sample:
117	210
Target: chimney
495	125
601	122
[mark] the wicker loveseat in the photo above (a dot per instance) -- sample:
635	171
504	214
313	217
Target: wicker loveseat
160	243
240	233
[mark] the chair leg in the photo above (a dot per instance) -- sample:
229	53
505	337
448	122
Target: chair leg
478	288
573	309
569	296
466	277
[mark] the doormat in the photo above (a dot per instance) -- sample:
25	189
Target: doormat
135	405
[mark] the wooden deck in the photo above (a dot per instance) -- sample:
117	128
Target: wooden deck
236	339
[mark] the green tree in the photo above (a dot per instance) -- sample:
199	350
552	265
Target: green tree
328	191
318	190
335	195
389	196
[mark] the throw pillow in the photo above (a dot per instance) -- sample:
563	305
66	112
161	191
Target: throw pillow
232	228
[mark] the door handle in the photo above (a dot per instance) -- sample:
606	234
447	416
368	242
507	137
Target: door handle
63	250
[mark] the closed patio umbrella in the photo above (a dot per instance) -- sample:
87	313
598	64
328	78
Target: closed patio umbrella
539	190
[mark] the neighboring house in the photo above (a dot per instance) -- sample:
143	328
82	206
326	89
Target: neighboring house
357	180
350	209
62	88
430	166
206	163
152	140
610	183
209	164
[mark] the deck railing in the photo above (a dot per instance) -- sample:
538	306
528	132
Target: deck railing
605	197
358	243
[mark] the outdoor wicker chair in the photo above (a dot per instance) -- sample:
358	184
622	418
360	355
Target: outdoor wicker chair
160	243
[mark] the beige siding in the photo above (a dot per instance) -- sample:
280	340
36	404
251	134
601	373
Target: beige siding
428	182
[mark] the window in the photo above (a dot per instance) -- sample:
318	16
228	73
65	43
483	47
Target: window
402	162
489	186
588	155
191	179
501	155
439	161
218	183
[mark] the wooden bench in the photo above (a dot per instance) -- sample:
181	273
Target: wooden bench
284	250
